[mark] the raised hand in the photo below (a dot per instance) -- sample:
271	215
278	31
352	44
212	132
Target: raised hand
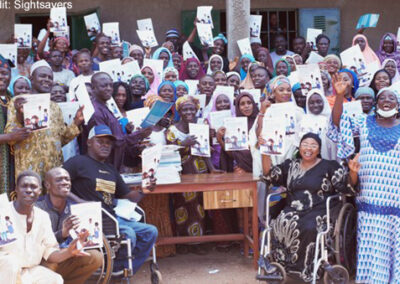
339	85
264	106
189	141
79	118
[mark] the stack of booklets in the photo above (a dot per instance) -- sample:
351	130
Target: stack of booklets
170	165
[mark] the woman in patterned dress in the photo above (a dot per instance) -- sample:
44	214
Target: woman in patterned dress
309	181
188	207
378	202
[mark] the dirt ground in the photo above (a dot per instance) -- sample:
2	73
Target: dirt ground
214	268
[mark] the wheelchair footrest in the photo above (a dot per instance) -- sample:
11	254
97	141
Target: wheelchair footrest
269	277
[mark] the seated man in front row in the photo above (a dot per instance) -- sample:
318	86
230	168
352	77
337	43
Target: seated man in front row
95	180
57	204
20	260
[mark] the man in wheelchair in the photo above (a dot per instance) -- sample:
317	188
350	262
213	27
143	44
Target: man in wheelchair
95	180
57	204
309	181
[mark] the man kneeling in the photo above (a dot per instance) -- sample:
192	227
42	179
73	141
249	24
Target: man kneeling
57	204
21	259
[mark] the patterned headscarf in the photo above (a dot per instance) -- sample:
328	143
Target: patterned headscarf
184	99
5	63
170	69
273	84
156	55
334	57
178	83
222	37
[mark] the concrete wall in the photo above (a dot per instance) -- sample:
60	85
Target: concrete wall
166	14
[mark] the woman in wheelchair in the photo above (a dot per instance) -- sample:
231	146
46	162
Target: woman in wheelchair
309	181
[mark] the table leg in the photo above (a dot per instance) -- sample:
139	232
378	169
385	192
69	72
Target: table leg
246	230
255	227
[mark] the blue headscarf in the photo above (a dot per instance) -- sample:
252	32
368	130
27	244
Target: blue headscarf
243	73
181	83
364	91
156	55
176	115
355	80
222	37
296	87
13	80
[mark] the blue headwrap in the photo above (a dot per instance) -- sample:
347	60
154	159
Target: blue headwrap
156	55
243	73
222	37
355	80
167	83
181	83
296	87
13	80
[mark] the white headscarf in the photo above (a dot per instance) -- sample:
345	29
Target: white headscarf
40	63
326	111
396	77
209	72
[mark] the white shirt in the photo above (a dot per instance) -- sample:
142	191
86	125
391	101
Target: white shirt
30	247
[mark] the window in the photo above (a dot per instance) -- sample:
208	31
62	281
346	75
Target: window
274	21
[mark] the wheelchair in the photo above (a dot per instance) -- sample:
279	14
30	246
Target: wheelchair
113	244
334	257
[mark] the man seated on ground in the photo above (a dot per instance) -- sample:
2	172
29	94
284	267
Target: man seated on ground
95	180
21	259
57	204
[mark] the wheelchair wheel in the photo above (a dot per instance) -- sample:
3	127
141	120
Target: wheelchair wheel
346	237
337	275
107	266
279	273
156	277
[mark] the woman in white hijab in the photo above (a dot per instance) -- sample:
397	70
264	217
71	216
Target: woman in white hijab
216	63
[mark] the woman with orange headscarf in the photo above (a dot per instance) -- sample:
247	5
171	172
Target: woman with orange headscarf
367	51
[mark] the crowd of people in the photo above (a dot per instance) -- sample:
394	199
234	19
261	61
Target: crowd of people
49	169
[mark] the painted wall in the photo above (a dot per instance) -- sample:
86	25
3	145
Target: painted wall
166	14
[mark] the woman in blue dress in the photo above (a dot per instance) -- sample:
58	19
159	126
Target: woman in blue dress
378	200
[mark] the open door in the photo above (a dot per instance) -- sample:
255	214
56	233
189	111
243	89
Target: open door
79	35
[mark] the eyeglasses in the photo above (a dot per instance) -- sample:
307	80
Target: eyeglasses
310	146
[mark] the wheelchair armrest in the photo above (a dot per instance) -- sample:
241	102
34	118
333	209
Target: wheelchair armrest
268	201
110	224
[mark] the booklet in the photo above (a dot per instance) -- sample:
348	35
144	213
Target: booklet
7	231
256	93
192	84
157	112
69	110
58	17
353	59
9	51
147	38
255	25
156	64
126	209
244	46
188	52
36	111
113	68
273	134
353	109
217	118
310	78
202	100
145	25
150	161
23	35
204	32
113	108
136	116
236	135
128	70
367	21
314	58
90	220
92	24
202	134
112	30
368	75
63	33
83	97
204	15
313	124
286	115
312	36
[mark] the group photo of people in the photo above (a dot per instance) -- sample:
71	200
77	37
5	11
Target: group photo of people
81	148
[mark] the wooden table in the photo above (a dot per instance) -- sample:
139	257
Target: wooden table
218	182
